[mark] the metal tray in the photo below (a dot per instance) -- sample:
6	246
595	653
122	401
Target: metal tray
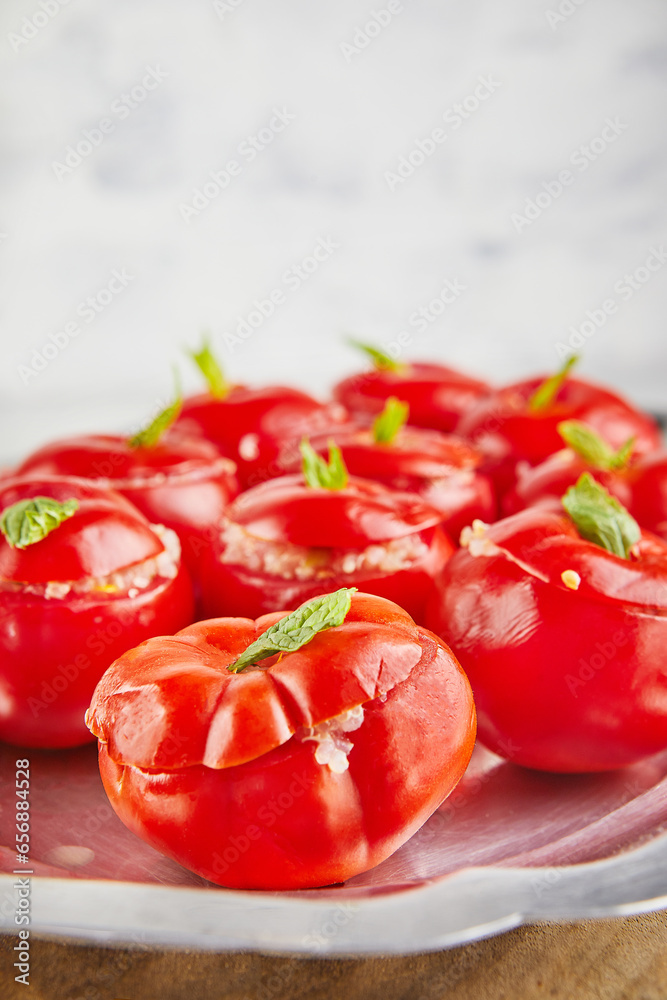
510	846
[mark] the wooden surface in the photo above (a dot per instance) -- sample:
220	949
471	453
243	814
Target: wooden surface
621	959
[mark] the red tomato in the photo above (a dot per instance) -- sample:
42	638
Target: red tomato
283	542
181	482
252	425
438	396
505	428
441	468
102	580
568	672
225	777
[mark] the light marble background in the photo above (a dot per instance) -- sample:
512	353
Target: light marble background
225	67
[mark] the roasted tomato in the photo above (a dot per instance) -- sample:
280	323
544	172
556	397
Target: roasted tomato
441	468
83	576
560	621
294	537
265	771
520	422
181	482
437	396
586	452
253	426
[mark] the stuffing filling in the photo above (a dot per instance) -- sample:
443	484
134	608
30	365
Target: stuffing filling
332	746
129	581
300	562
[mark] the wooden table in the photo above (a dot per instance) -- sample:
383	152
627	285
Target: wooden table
620	959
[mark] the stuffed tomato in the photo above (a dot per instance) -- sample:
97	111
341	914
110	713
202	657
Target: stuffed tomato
181	482
253	426
586	451
519	422
639	483
438	396
297	536
440	468
83	576
287	752
560	621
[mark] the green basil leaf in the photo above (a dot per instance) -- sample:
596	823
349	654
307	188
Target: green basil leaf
546	393
29	521
600	518
211	369
298	628
388	423
331	475
382	361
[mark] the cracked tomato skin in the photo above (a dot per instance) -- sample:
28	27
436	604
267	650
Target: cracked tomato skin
304	523
252	426
440	468
181	482
564	680
437	396
507	431
210	767
55	648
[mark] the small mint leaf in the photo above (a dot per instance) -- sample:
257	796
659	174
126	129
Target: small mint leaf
388	423
600	518
151	434
546	393
331	475
298	628
211	369
29	521
382	361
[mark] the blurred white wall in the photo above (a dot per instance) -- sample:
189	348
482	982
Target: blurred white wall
169	92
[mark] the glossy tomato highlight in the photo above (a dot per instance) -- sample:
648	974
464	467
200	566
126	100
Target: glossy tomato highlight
73	596
302	769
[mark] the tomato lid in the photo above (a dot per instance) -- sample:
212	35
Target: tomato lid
286	510
110	456
171	702
546	544
105	534
415	451
270	409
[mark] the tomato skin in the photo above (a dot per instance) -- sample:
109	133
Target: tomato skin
287	512
440	468
252	426
55	651
283	821
181	482
438	396
505	429
55	648
564	680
